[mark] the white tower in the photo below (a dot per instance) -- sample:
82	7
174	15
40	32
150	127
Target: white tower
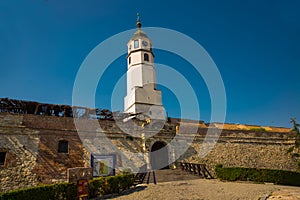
142	95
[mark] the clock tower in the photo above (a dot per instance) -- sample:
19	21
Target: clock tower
142	95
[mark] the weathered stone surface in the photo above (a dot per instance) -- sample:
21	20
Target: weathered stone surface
22	151
31	143
79	173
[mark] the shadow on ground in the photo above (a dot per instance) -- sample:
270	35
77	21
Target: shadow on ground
165	175
124	193
168	175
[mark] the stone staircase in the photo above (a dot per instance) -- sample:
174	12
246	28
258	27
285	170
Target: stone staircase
168	175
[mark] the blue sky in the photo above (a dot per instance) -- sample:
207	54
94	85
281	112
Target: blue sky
255	45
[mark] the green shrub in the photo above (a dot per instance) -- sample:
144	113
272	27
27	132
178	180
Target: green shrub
126	181
68	191
295	155
96	186
111	184
259	175
297	143
290	150
219	165
258	129
61	191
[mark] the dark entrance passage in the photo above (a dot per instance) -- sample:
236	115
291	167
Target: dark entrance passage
159	156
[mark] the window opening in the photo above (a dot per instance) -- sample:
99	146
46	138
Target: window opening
2	158
136	44
63	146
146	57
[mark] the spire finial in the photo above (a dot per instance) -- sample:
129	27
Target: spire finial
138	21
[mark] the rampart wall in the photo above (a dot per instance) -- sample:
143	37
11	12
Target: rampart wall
32	155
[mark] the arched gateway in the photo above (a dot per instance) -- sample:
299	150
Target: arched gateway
159	156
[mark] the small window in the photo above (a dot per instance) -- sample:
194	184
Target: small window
129	60
2	158
63	146
146	57
136	44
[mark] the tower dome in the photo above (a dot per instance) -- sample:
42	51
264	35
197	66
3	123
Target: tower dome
139	40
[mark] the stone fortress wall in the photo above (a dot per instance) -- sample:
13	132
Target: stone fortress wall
32	157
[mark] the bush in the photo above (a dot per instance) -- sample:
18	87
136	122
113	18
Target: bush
258	129
96	186
111	184
219	165
290	150
259	175
295	155
68	191
297	142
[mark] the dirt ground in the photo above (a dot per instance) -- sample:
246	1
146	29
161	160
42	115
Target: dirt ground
210	189
177	184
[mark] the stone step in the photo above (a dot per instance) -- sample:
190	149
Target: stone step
168	175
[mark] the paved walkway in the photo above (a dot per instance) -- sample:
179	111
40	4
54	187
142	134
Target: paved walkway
175	185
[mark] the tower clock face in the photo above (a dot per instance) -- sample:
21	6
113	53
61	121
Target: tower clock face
145	43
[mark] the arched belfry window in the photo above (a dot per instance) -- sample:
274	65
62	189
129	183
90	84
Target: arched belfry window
63	146
129	60
146	57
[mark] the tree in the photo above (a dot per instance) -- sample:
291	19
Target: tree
296	131
295	126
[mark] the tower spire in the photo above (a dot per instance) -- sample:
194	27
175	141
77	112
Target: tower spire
142	95
138	21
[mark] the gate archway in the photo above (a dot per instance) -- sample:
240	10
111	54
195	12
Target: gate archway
159	156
